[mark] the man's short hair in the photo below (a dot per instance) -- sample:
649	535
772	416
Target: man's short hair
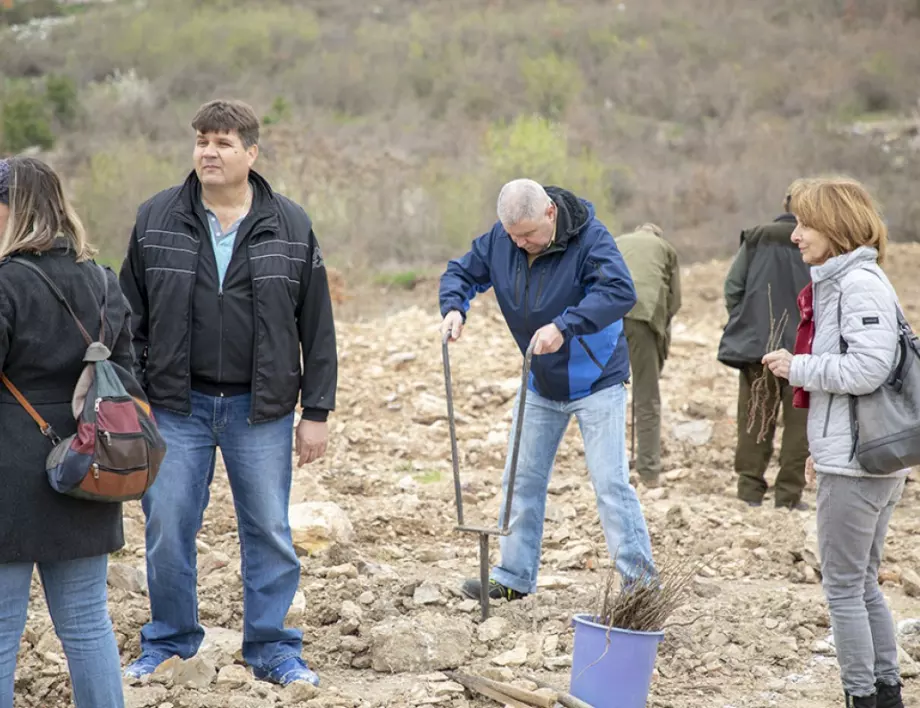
521	199
649	226
226	116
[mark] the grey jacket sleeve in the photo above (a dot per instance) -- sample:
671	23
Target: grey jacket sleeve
868	324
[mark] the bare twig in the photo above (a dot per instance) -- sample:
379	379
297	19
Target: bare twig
645	603
766	386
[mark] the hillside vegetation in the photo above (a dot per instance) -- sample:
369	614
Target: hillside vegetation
395	122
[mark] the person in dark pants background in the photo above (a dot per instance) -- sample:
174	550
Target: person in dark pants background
766	268
655	270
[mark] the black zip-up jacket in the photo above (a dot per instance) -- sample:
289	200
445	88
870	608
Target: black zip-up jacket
269	331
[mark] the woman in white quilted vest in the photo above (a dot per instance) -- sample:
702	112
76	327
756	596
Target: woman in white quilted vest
841	235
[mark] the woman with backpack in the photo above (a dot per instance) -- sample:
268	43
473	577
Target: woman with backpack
847	348
42	353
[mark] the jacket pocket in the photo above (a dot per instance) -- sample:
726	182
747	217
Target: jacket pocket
590	353
827	415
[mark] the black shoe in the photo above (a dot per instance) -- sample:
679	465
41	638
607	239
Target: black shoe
497	591
861	701
793	506
753	504
888	696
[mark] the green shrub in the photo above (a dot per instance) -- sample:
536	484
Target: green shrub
552	83
534	147
280	110
25	121
61	94
206	43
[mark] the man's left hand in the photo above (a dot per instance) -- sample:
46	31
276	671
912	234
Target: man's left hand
310	443
779	362
548	340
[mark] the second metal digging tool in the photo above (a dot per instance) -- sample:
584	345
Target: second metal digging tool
483	532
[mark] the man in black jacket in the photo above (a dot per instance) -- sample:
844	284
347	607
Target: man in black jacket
232	322
766	277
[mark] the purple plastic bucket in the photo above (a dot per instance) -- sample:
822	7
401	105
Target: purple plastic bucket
612	668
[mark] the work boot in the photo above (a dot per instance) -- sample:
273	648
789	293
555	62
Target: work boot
888	696
650	481
861	701
793	506
497	591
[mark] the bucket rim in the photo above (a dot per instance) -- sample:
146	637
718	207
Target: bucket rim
585	619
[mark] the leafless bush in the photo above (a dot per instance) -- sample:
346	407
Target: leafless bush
647	603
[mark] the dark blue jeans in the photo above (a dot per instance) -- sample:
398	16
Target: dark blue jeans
258	462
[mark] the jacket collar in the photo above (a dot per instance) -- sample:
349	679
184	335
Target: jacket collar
838	266
786	217
262	215
573	215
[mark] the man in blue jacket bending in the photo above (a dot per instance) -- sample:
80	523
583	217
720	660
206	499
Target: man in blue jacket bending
561	282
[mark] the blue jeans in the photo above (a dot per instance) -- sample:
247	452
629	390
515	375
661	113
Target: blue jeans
258	462
76	595
602	421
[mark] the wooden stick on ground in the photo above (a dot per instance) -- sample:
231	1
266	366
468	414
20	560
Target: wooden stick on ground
538	700
566	699
477	685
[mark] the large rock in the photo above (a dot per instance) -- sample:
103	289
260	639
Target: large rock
317	525
423	643
810	552
144	696
910	580
695	432
127	577
197	672
909	637
221	646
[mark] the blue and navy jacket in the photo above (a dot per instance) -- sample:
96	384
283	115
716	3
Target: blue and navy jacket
580	283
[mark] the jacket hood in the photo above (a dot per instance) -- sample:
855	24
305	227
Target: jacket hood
838	266
574	214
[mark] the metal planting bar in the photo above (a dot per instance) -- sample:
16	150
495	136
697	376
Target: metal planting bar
484	532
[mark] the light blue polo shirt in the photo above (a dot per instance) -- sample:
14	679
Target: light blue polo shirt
222	242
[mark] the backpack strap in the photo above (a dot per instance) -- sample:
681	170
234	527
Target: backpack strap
60	296
45	427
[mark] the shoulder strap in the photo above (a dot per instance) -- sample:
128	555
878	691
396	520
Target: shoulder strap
46	429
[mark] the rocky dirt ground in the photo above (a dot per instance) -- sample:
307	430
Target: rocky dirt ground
381	562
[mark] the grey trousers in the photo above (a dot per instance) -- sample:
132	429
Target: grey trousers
853	515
